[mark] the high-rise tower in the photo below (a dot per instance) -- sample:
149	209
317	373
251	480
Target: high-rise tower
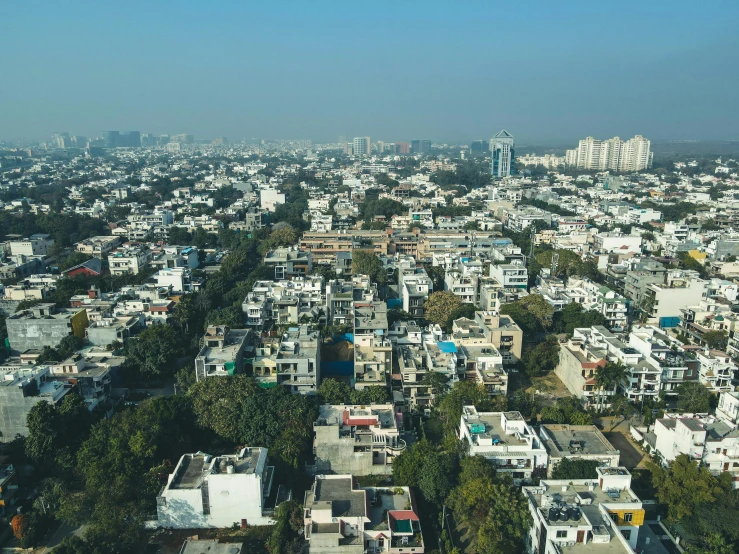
501	147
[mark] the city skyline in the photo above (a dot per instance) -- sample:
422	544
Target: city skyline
165	70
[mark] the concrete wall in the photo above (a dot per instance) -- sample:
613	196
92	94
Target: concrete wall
24	334
14	408
569	371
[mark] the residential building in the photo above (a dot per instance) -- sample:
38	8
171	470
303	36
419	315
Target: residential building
585	515
501	148
576	442
413	373
343	519
35	245
716	370
43	325
362	440
207	491
513	275
299	360
483	364
289	263
614	154
223	352
98	246
728	407
210	546
176	279
362	146
505	439
21	388
128	259
662	303
373	352
703	438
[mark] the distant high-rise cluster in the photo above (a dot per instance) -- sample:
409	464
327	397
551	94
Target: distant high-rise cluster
501	148
614	154
421	146
115	139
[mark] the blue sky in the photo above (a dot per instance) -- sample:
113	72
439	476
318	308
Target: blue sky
547	72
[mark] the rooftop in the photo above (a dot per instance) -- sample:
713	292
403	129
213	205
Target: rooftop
193	468
565	440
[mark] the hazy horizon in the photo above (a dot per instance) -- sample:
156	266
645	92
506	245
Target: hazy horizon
396	72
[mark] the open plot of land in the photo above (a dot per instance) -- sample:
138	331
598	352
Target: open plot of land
549	387
631	454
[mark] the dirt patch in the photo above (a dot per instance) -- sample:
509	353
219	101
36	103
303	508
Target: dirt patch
631	455
549	387
337	352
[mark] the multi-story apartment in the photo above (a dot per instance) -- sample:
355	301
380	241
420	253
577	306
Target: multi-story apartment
513	275
343	519
505	439
373	350
413	372
128	258
581	442
662	352
585	515
362	146
21	388
463	286
362	440
518	219
414	286
289	263
491	327
483	364
35	245
223	352
299	360
324	247
662	303
43	325
614	154
703	438
98	246
207	491
728	407
257	310
716	370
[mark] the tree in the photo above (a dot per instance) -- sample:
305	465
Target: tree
217	403
383	206
284	236
434	481
694	397
19	523
440	306
367	263
408	466
543	358
715	340
684	486
154	350
575	468
334	392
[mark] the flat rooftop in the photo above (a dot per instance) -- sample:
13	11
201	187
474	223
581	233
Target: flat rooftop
194	467
194	546
344	501
566	440
494	428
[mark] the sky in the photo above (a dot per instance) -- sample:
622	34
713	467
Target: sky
548	72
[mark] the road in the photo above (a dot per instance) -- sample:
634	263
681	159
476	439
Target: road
55	536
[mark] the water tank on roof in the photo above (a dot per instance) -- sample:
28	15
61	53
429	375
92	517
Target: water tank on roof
553	514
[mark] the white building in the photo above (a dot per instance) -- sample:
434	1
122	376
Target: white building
505	439
128	259
269	199
514	275
614	154
216	492
585	515
178	278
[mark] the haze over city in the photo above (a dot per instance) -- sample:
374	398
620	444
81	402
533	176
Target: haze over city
318	70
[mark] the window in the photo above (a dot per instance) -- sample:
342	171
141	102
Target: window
561	534
628	517
626	534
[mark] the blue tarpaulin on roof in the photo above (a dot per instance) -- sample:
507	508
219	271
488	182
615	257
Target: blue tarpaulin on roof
394	303
342	369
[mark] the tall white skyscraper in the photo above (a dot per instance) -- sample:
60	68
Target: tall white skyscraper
362	146
614	154
501	147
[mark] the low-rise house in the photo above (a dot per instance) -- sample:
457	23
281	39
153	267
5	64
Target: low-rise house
217	491
576	442
505	439
362	440
223	352
341	518
585	515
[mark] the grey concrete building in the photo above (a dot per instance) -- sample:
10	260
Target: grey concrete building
360	440
42	325
21	388
223	352
582	442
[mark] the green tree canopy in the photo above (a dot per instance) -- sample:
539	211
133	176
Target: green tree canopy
694	397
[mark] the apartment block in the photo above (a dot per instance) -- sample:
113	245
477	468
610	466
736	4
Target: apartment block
299	360
585	515
362	440
344	519
577	442
373	350
223	352
128	259
217	491
505	439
